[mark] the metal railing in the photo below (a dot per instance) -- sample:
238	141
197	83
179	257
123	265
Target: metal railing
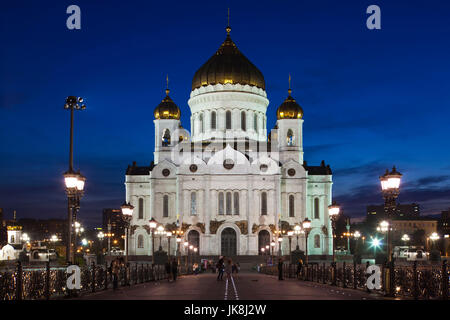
415	282
31	283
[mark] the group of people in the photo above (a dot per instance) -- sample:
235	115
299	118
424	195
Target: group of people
227	267
172	269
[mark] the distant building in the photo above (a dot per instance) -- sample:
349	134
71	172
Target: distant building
412	225
2	228
378	212
114	217
444	223
44	229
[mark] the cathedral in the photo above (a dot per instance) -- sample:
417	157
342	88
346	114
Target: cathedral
229	186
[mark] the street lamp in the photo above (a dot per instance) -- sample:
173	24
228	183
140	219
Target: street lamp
160	231
272	244
390	187
290	234
280	240
186	245
306	224
74	181
178	248
433	237
297	232
169	236
152	225
127	215
333	212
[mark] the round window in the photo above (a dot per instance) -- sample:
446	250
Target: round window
264	168
166	172
228	164
291	172
193	168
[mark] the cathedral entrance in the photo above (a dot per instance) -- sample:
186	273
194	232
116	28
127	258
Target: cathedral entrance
263	240
228	242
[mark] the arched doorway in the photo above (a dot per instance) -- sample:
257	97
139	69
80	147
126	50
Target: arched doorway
229	242
194	239
263	240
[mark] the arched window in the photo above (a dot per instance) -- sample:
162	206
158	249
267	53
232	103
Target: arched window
194	239
236	203
290	138
213	120
291	206
166	206
255	122
228	120
193	203
166	138
243	121
141	209
221	211
202	127
140	242
264	203
317	241
316	208
229	208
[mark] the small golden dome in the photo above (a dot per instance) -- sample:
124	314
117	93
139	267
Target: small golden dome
167	109
228	65
289	109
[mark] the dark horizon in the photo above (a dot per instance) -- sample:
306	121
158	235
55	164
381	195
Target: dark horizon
371	99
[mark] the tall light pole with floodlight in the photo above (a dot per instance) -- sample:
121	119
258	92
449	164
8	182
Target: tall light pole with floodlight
127	215
333	212
74	181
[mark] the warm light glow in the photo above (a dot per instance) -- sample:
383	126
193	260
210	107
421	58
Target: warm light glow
160	229
393	183
191	247
267	246
434	236
195	249
186	243
306	224
80	183
70	181
84	242
357	234
290	233
333	210
262	249
272	243
153	223
127	210
280	239
178	239
405	237
384	226
169	234
54	238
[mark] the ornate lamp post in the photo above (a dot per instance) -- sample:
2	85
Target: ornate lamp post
186	245
280	240
153	224
178	248
390	187
333	212
272	244
297	232
169	236
433	237
74	181
127	215
307	229
160	232
290	234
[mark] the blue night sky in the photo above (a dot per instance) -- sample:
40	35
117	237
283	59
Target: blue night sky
371	99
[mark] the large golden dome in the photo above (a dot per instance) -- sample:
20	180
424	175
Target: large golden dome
167	109
289	109
228	65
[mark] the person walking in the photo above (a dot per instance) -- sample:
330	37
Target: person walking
299	268
168	270
174	269
280	269
229	269
115	274
220	267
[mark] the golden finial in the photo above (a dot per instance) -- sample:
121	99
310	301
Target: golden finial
290	90
228	25
167	88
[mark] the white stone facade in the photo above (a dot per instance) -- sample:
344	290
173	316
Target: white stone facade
264	188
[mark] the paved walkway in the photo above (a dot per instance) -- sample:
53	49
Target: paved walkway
244	286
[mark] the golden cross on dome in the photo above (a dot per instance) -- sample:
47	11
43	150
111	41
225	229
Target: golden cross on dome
228	25
290	90
167	88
